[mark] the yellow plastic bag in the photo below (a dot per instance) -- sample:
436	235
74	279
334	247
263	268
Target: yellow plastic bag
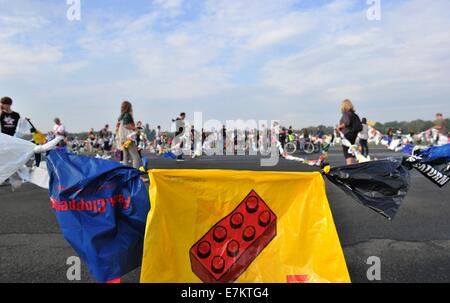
240	226
39	138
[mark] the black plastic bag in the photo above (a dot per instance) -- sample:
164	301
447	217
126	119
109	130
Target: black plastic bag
437	170
380	185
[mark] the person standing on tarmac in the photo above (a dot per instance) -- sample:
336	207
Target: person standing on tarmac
364	137
192	138
304	138
60	130
158	140
350	125
283	137
141	138
390	134
92	139
106	136
125	128
439	125
180	127
9	119
399	134
224	139
291	135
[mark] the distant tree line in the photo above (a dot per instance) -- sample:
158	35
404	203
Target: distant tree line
84	135
416	126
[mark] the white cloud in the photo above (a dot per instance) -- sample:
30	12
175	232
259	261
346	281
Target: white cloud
169	4
14	25
68	68
402	58
283	29
18	61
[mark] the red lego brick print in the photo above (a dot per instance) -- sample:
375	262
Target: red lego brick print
224	253
298	279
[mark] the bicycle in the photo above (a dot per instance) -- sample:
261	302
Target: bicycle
308	147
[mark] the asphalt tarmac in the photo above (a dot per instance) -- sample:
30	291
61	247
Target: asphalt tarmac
415	247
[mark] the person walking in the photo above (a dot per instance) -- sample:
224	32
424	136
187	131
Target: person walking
364	137
125	129
350	125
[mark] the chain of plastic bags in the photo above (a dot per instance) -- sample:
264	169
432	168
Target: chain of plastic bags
98	191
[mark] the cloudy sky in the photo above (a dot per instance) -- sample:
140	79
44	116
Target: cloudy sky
292	60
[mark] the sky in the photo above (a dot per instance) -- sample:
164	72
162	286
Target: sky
287	60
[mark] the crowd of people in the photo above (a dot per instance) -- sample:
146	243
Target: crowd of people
130	139
432	136
95	143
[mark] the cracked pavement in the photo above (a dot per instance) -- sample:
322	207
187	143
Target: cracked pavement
414	247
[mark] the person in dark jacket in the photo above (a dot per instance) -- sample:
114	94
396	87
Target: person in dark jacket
9	119
348	128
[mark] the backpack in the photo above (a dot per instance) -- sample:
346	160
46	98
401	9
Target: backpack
357	126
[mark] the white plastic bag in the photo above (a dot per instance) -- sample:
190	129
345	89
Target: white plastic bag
40	149
292	158
18	178
14	153
394	144
39	176
23	128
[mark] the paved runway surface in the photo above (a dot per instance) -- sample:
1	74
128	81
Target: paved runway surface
415	247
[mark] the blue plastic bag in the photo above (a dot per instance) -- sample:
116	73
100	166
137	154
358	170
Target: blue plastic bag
145	163
408	149
169	155
101	207
436	154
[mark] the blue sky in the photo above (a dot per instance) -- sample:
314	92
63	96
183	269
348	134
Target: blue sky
291	60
